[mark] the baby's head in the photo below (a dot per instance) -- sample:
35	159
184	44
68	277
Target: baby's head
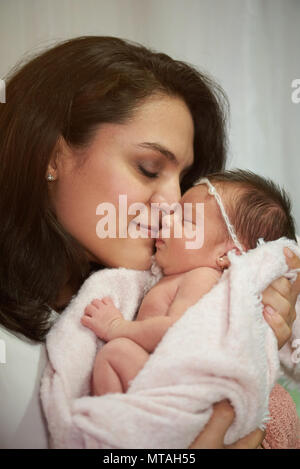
256	208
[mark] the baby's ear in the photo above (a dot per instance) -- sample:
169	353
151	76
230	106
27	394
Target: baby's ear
223	262
237	251
230	245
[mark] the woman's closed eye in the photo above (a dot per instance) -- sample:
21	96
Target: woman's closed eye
147	173
155	174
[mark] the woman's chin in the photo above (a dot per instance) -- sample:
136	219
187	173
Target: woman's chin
132	255
137	262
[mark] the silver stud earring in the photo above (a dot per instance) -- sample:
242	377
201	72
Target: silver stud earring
50	177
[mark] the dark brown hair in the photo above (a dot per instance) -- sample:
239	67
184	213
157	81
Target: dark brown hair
258	208
68	91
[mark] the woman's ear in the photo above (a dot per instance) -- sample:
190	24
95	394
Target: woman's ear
57	159
52	168
52	172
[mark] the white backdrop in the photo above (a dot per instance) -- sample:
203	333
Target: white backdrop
250	46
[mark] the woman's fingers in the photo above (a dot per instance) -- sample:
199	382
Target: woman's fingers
214	432
282	286
212	437
280	299
279	326
293	262
251	441
278	312
278	302
274	296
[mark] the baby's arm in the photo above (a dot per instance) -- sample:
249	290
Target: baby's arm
108	323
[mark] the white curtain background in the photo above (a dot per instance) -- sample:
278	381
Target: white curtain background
251	47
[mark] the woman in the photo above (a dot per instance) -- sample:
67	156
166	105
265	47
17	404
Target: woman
89	119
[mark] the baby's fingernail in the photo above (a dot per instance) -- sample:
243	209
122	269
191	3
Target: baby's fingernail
269	310
288	252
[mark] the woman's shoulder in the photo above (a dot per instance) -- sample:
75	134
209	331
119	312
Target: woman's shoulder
22	362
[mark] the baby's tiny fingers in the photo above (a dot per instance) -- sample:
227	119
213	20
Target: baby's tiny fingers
107	300
90	310
96	302
100	302
86	320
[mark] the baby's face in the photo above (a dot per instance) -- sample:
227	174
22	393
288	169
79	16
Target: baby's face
172	253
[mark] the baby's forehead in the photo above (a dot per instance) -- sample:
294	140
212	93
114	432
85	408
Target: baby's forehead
196	194
199	193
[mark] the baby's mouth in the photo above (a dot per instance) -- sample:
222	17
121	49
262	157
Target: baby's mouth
159	241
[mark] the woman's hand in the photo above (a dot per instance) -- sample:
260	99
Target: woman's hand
212	437
280	300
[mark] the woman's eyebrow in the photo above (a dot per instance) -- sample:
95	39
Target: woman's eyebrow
161	149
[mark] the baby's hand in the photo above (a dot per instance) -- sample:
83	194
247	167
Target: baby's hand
101	316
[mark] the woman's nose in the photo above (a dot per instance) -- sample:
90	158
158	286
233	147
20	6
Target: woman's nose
167	221
165	200
168	193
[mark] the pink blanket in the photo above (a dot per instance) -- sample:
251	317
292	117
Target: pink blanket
221	348
283	429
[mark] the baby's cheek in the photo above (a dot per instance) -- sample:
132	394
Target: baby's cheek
189	231
178	250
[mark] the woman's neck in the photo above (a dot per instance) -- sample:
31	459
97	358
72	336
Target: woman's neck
64	298
69	289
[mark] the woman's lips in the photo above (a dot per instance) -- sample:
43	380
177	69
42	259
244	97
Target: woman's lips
151	232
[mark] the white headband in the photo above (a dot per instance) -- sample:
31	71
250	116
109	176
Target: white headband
212	190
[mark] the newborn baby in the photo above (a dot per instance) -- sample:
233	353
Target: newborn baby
239	208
